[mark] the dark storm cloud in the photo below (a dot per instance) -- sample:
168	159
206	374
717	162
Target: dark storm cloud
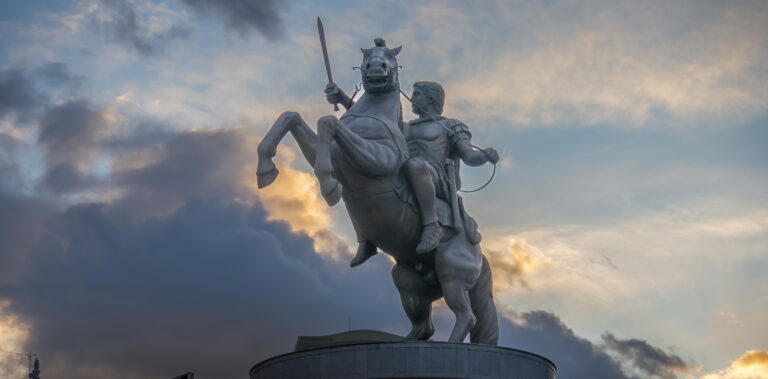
57	74
123	25
18	95
211	287
650	361
10	175
244	16
189	164
21	217
69	137
24	92
20	213
544	333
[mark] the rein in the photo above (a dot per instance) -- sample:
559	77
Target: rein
435	119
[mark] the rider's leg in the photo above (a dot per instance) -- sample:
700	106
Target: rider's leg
365	249
422	178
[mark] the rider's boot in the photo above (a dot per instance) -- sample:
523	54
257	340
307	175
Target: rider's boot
430	237
365	250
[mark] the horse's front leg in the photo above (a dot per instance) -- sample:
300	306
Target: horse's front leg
329	186
305	137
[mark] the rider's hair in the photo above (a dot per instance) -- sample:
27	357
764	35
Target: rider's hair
435	92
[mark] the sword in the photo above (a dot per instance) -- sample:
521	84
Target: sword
325	55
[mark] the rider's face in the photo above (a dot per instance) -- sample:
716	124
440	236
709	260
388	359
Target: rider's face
419	102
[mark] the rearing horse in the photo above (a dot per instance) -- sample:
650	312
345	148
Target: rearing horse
358	158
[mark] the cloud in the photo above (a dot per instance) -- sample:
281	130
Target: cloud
187	164
10	173
18	95
20	226
544	333
536	272
25	91
69	137
21	215
513	263
68	127
204	289
120	21
13	337
753	364
646	360
243	16
202	281
295	198
685	64
58	75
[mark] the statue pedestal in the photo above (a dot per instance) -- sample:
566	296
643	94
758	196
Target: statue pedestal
406	360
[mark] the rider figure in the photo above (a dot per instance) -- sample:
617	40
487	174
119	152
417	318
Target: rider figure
432	139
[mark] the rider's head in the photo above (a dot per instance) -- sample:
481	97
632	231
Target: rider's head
434	93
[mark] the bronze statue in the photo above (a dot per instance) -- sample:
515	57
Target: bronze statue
362	157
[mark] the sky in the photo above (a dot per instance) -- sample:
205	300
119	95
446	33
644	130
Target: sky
626	225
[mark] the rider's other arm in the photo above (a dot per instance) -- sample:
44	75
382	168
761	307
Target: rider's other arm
469	155
335	95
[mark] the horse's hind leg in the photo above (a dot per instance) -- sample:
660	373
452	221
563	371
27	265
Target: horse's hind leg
417	297
486	331
302	133
457	298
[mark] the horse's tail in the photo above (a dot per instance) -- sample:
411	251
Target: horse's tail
486	330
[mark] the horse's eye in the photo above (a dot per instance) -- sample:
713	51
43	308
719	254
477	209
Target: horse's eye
383	65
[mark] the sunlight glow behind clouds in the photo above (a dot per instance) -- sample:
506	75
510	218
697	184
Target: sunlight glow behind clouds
295	198
753	364
13	336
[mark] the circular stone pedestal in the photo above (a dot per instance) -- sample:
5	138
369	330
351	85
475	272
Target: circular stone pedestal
406	360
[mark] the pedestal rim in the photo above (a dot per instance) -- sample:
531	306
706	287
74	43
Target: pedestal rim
409	344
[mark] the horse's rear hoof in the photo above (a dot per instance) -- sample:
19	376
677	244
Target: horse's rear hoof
266	178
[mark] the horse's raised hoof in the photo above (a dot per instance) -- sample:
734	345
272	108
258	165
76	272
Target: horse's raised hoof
365	251
333	196
266	178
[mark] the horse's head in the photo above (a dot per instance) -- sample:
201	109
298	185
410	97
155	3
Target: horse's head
379	68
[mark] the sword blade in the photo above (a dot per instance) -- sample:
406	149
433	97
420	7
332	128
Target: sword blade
321	31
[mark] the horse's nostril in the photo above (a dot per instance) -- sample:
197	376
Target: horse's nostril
368	65
383	65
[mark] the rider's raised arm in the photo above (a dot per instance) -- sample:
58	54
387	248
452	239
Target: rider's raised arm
372	149
335	95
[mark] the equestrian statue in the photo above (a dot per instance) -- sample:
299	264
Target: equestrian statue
399	183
